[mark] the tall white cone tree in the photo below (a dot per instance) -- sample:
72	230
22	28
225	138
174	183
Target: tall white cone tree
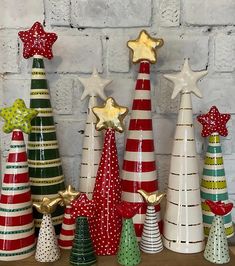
183	226
93	140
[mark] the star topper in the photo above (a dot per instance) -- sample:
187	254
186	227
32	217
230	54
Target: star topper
68	195
153	198
186	80
37	41
94	85
18	117
111	115
143	48
213	122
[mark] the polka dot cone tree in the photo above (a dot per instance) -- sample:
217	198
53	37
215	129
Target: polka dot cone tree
217	250
105	225
47	249
128	252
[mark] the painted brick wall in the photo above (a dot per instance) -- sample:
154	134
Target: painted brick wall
94	33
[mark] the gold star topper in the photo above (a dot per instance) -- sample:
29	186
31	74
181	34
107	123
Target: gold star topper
18	117
153	198
111	115
143	48
68	195
47	206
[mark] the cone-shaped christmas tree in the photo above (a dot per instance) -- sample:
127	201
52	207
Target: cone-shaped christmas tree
106	224
183	227
213	184
128	251
151	241
47	249
82	253
67	231
93	140
217	250
17	240
45	168
139	167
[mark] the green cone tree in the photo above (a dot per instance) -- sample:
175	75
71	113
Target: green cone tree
44	161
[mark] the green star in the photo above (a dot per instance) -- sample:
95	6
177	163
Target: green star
18	116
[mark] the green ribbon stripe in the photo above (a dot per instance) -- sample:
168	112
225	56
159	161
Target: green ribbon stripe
15	188
209	219
16	232
46	190
48	154
16	210
45	172
17	253
46	136
40	103
38	84
210	172
214	149
214	197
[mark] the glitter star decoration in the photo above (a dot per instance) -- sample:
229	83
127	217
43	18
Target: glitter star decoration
111	115
186	80
68	195
94	85
153	198
37	42
18	117
144	47
213	122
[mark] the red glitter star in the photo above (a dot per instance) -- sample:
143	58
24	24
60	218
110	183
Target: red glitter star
213	122
37	41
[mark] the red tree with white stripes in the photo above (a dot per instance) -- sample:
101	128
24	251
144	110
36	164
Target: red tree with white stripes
139	167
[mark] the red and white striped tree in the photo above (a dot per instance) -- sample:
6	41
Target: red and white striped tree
139	167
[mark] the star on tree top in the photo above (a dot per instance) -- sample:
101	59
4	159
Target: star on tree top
110	115
37	41
143	48
94	85
186	80
213	122
18	117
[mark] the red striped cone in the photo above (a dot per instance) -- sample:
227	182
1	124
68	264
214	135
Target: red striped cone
139	167
17	240
66	237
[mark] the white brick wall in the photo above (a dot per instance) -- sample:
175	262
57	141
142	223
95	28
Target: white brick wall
94	33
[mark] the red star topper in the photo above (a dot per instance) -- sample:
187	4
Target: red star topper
213	122
37	41
219	208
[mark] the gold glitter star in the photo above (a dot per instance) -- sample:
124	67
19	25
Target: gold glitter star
153	198
111	115
17	117
143	48
68	195
47	206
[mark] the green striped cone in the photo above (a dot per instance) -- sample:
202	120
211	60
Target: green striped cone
45	168
213	184
82	253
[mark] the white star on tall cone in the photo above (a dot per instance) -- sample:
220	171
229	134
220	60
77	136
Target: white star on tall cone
93	140
183	226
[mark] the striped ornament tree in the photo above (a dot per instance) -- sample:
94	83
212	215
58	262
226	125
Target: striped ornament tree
139	167
45	168
213	184
17	239
93	140
183	227
151	241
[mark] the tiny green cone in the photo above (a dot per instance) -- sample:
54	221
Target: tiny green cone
128	252
82	253
217	250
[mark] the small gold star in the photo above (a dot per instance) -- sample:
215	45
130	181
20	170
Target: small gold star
47	206
143	48
111	115
153	198
68	195
17	117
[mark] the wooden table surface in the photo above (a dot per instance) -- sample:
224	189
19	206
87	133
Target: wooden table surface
165	258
